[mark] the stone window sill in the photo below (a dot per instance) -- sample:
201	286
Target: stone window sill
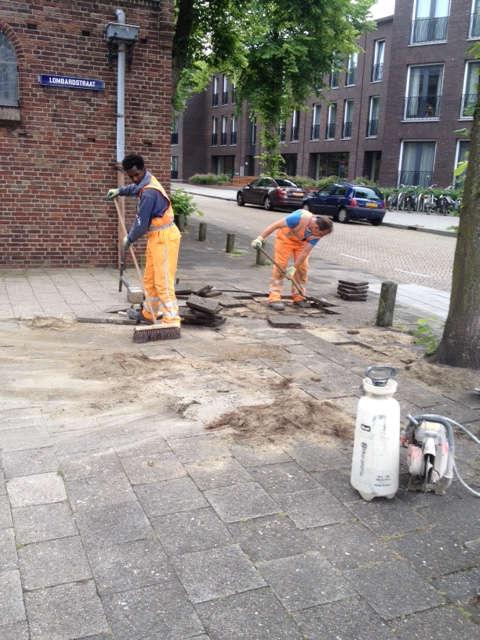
9	115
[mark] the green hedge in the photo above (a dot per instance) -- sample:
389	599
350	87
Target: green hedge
209	178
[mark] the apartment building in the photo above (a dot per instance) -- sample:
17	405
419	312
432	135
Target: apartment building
392	114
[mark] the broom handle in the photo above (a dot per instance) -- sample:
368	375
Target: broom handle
295	284
135	261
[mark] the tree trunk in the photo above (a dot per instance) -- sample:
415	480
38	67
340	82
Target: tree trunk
460	344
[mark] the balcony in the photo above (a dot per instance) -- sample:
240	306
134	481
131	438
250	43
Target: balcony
377	72
422	107
174	137
225	97
215	100
469	101
372	128
233	137
429	30
223	138
294	134
315	132
475	25
214	138
347	129
330	131
415	178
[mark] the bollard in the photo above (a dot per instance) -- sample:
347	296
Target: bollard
230	243
386	304
202	231
261	259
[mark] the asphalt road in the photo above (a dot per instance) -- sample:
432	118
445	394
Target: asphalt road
407	257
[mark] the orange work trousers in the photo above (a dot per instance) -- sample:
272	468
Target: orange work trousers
285	248
159	276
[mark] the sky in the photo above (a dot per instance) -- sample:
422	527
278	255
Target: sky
383	8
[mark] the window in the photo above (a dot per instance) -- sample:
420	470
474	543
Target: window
417	163
214	130
331	121
373	116
333	80
282	131
233	130
347	119
378	60
174	133
295	126
470	89
174	167
252	134
224	90
475	20
8	74
430	21
223	130
424	92
351	69
461	155
215	92
328	164
315	130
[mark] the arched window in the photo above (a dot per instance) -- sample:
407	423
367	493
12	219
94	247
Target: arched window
8	74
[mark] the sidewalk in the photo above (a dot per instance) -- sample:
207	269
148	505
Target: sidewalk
123	517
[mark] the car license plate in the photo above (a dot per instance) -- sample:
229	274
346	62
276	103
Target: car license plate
371	205
297	193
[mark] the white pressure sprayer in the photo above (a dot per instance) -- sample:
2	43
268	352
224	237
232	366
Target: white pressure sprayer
376	447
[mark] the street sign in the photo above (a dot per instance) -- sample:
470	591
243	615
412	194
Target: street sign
67	82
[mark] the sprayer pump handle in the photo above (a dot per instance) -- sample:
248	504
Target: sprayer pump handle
380	374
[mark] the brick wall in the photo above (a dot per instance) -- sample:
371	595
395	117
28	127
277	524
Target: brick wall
58	160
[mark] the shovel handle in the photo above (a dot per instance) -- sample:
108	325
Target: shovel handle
282	271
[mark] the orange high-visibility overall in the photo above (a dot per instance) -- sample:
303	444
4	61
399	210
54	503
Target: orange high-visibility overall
161	255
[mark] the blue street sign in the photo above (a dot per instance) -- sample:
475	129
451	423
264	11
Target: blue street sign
67	82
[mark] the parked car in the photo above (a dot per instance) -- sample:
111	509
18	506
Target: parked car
346	202
272	194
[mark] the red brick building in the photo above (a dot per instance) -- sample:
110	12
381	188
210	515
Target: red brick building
58	143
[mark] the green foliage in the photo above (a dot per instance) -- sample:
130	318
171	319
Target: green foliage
425	336
324	183
304	181
183	205
209	178
366	182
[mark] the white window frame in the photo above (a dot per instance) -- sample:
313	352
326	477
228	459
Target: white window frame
346	110
14	102
331	107
295	125
457	151
400	158
464	90
407	89
352	56
370	103
375	63
316	115
412	27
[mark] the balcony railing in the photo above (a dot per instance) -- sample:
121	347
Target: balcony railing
330	131
475	25
416	178
214	138
233	137
347	130
351	77
315	132
372	127
377	72
174	137
225	97
429	29
469	101
422	107
223	138
294	134
215	100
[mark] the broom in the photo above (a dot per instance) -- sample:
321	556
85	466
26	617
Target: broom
146	333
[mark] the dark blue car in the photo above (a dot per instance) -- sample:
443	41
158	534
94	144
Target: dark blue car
344	202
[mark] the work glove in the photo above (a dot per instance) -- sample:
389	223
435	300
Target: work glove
126	243
113	193
290	272
257	243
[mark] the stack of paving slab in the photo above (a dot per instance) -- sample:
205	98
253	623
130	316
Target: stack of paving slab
352	290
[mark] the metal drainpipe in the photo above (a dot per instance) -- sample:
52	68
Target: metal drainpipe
120	117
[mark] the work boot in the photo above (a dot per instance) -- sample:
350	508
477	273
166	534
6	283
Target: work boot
301	304
137	315
277	305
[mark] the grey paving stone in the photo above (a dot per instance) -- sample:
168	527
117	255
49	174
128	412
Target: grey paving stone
203	447
30	461
393	589
285	477
5	514
114	525
254	615
8	553
99	491
78	466
11	599
17	631
338	483
216	573
439	624
65	612
313	508
41	488
459	587
256	456
270	538
45	564
152	467
349	545
314	457
461	518
350	619
305	580
217	473
43	522
145	447
179	494
239	501
159	611
387	518
191	531
130	565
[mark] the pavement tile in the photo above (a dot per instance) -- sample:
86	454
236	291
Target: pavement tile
216	573
43	522
256	456
460	586
270	538
350	619
348	546
314	457
24	438
158	611
305	580
114	524
313	508
17	631
460	517
99	491
29	462
42	488
179	494
338	483
78	466
152	467
145	447
5	514
388	518
45	564
254	615
285	477
439	624
8	553
217	473
240	501
393	589
203	447
11	599
129	565
65	612
190	531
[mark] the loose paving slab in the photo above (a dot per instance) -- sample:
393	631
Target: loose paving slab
8	553
114	525
285	477
65	612
256	456
338	483
75	467
43	522
387	518
152	468
160	498
459	587
313	508
254	615
219	472
5	513
444	622
314	457
41	488
305	580
29	462
15	632
99	491
11	599
202	447
240	501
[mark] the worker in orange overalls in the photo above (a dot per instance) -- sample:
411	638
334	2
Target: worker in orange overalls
155	217
295	237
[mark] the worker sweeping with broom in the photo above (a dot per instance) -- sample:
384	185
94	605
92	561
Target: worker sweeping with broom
296	235
155	218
